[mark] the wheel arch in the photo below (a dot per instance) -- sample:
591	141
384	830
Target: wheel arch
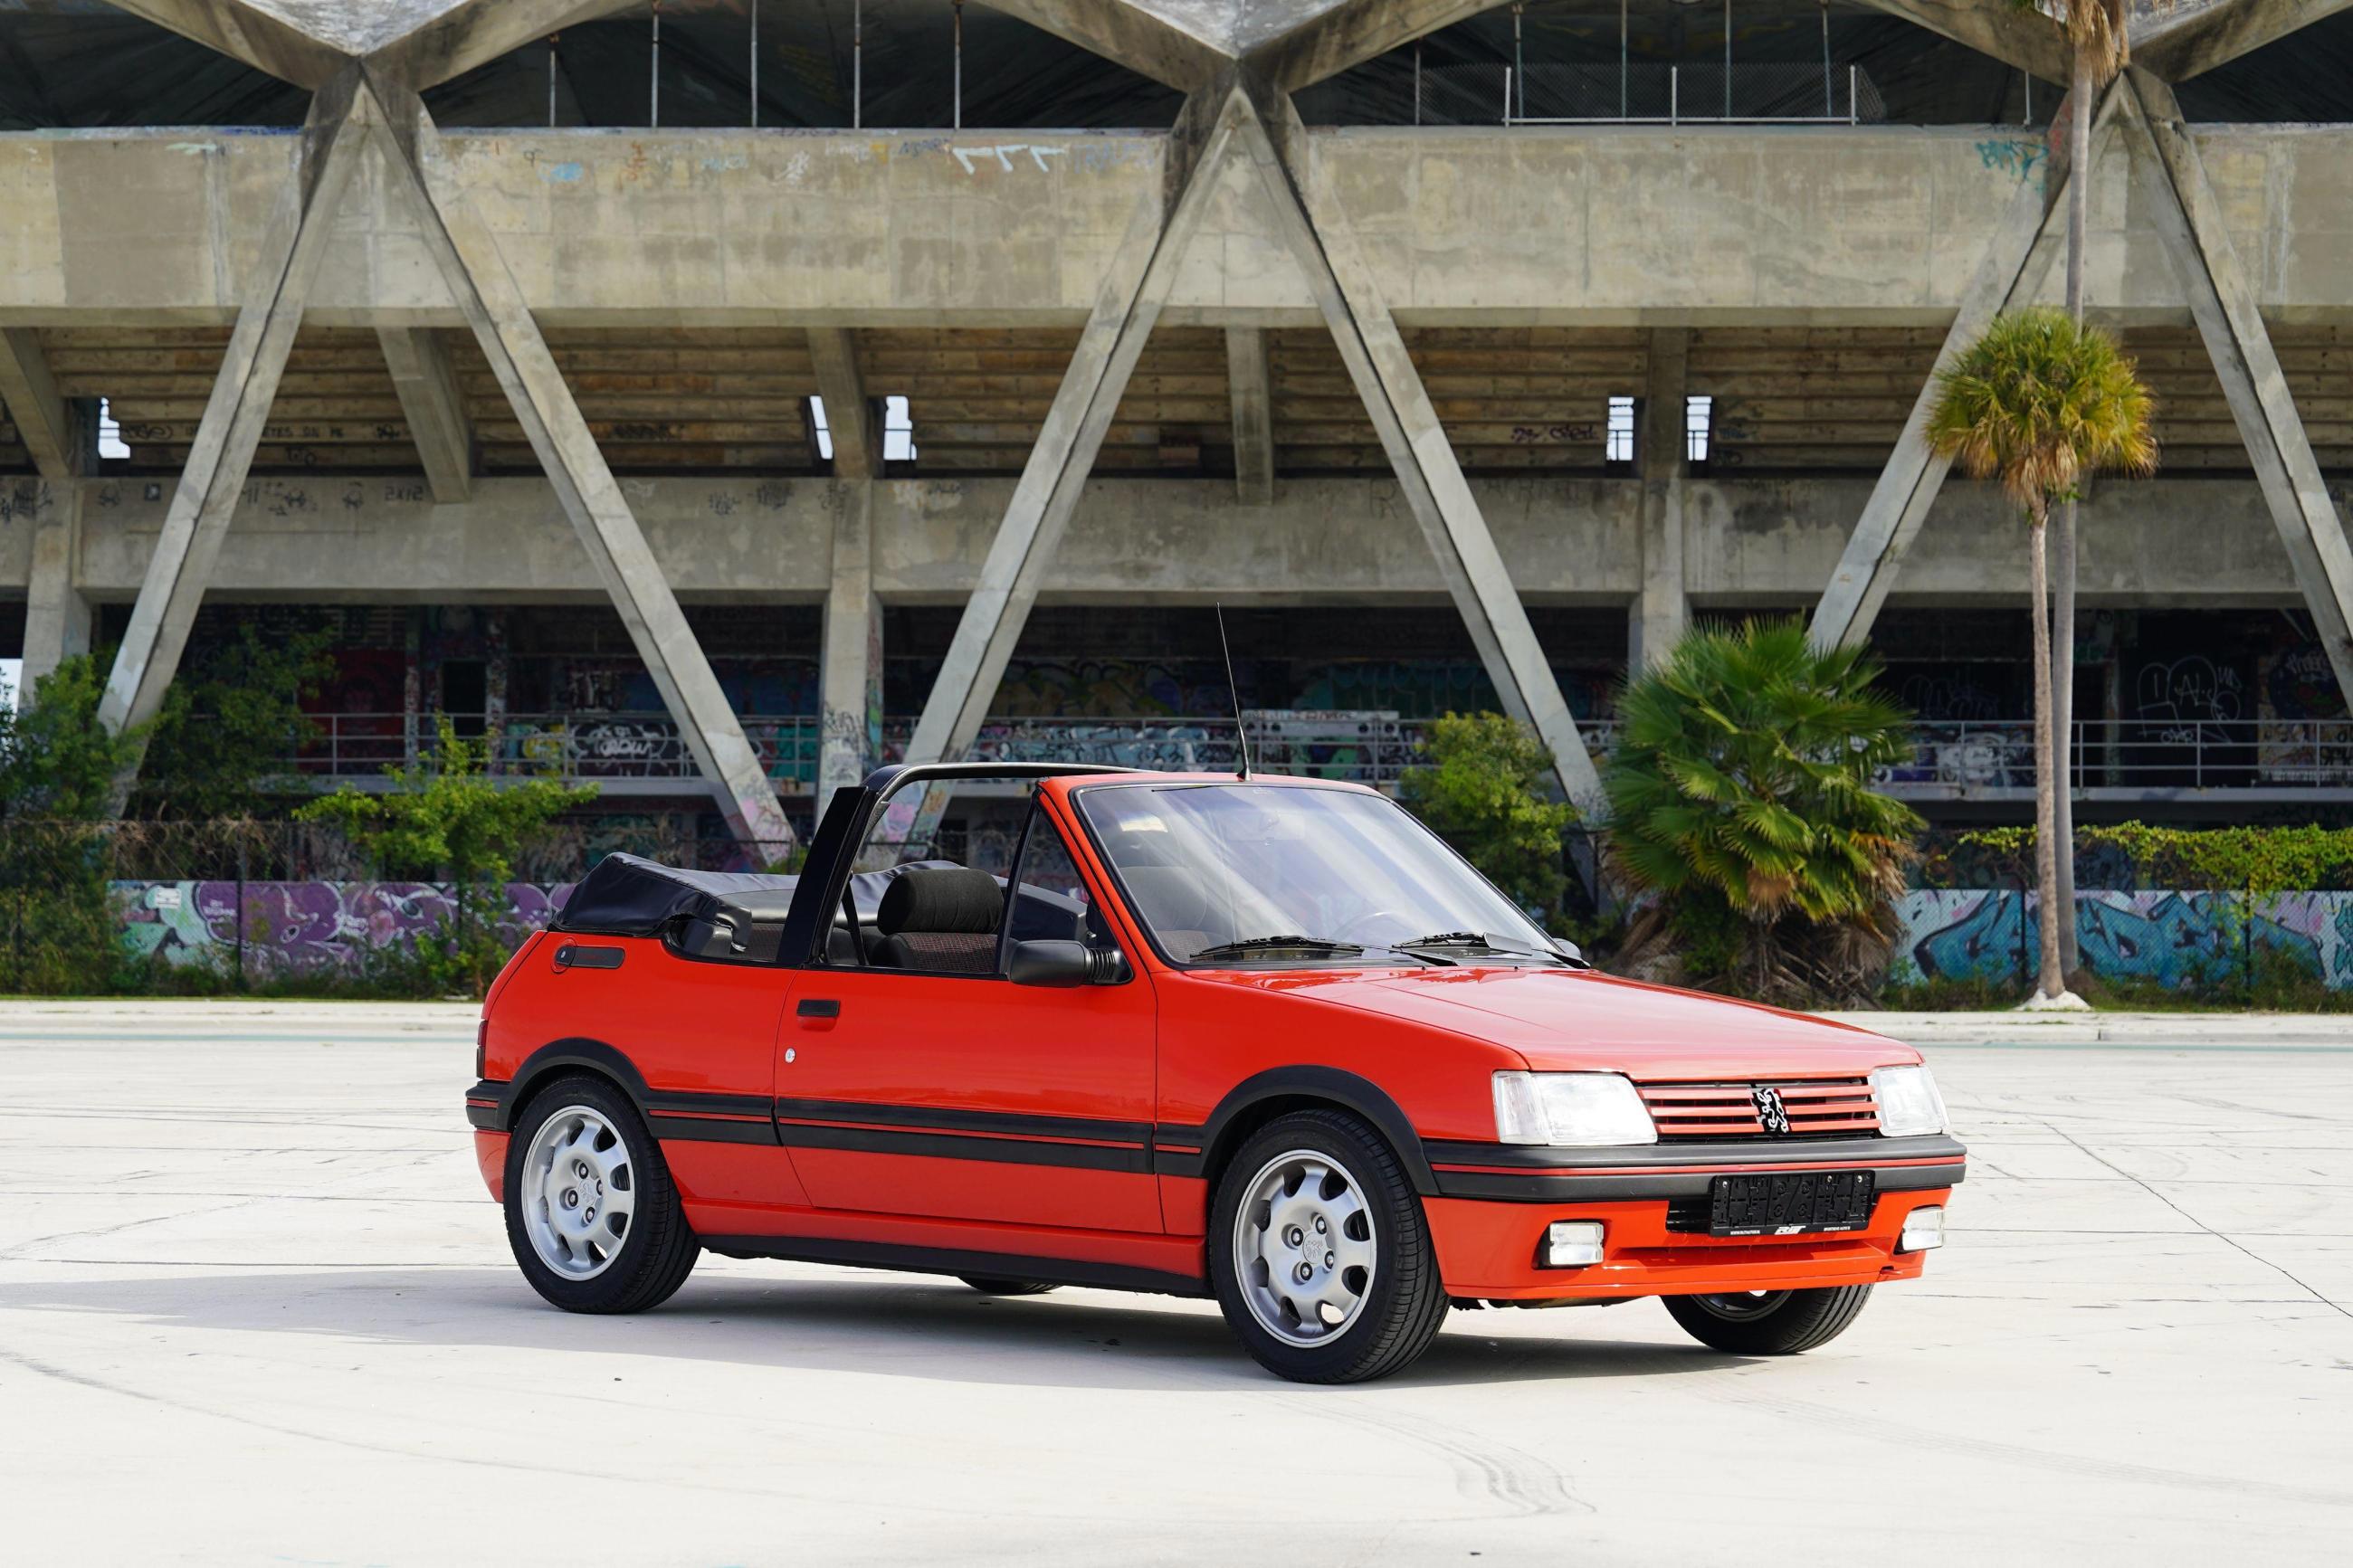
555	1058
1261	1098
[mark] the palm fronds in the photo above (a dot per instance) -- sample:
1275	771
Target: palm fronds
2037	402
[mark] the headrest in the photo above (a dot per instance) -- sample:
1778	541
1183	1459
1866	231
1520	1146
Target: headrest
1169	897
939	901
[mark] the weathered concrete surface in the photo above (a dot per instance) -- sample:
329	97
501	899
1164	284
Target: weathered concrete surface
254	1305
1612	226
2161	542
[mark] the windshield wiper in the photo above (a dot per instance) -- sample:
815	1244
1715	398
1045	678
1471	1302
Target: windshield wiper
1482	939
1263	943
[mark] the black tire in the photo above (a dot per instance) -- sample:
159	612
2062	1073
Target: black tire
659	1249
1779	1322
1404	1302
1006	1286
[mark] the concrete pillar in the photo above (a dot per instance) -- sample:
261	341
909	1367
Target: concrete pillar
1661	611
2017	259
492	303
45	421
429	400
1126	308
56	618
849	412
1321	240
1253	401
849	679
2189	218
231	429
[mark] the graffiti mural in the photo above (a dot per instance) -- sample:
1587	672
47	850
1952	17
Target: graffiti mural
2180	939
306	927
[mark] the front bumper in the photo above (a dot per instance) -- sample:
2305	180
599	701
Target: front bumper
1495	1201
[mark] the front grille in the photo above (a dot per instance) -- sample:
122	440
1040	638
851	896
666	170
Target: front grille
1816	1107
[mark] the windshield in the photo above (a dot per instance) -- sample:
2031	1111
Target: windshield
1219	872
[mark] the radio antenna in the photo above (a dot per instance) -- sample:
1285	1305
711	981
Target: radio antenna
1241	730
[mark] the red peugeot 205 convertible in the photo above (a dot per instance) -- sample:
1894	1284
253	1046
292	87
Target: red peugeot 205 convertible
1264	1039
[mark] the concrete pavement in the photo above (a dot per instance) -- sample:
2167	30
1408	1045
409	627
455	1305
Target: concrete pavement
254	1306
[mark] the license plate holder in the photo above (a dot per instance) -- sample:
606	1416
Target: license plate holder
1789	1203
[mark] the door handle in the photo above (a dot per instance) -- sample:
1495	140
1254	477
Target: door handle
817	1008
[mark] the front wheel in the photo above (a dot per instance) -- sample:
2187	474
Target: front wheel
1320	1254
592	1217
1769	1323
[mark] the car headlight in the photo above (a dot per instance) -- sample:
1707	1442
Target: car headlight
1580	1108
1909	1104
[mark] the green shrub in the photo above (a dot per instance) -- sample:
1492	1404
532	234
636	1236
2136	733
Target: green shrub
1485	793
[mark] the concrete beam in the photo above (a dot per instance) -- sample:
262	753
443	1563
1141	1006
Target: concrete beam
1321	241
2014	266
239	406
1180	43
435	411
2184	40
1298	44
476	272
1126	309
469	33
56	616
849	412
2222	302
849	672
44	420
2028	39
254	33
1252	390
1662	611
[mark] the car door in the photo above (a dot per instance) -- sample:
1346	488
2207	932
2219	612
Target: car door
907	1089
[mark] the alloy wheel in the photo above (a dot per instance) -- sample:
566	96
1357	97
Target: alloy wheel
1303	1247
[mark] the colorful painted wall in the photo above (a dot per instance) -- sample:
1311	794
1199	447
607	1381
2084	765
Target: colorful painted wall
305	927
2180	940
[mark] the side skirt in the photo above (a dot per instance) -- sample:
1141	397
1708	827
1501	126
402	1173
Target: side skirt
948	1261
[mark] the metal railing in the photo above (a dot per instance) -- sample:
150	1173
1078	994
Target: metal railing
2149	752
1375	748
1758	93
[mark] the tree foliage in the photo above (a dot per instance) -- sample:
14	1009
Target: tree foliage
444	818
1740	798
1485	793
2037	402
57	763
231	725
57	772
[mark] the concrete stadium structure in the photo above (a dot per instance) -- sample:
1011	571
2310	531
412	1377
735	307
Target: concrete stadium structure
649	409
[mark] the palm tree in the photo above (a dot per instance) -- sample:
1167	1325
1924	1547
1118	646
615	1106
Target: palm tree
2037	402
1740	794
2098	40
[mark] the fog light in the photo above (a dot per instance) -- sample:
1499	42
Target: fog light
1572	1243
1923	1229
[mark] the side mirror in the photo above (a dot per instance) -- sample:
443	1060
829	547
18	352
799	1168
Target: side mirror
1064	964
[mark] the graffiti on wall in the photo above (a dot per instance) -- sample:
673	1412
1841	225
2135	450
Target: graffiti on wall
306	927
2178	939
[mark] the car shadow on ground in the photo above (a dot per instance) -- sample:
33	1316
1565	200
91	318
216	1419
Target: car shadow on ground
891	1325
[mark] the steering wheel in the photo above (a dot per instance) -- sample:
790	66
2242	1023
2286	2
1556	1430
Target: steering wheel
1348	933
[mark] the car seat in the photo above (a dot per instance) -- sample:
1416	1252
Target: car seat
940	918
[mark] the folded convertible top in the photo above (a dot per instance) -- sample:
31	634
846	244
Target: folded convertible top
626	895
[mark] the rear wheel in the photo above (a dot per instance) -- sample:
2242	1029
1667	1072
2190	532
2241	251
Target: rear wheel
592	1216
1769	1323
1320	1254
1006	1286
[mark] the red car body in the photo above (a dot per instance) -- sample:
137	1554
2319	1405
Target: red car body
973	1125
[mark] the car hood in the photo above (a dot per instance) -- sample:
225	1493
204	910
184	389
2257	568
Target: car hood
1577	1019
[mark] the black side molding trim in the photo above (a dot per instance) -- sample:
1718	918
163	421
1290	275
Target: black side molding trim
943	1260
964	1146
934	1117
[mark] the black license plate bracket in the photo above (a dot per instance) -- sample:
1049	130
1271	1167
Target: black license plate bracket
1789	1203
